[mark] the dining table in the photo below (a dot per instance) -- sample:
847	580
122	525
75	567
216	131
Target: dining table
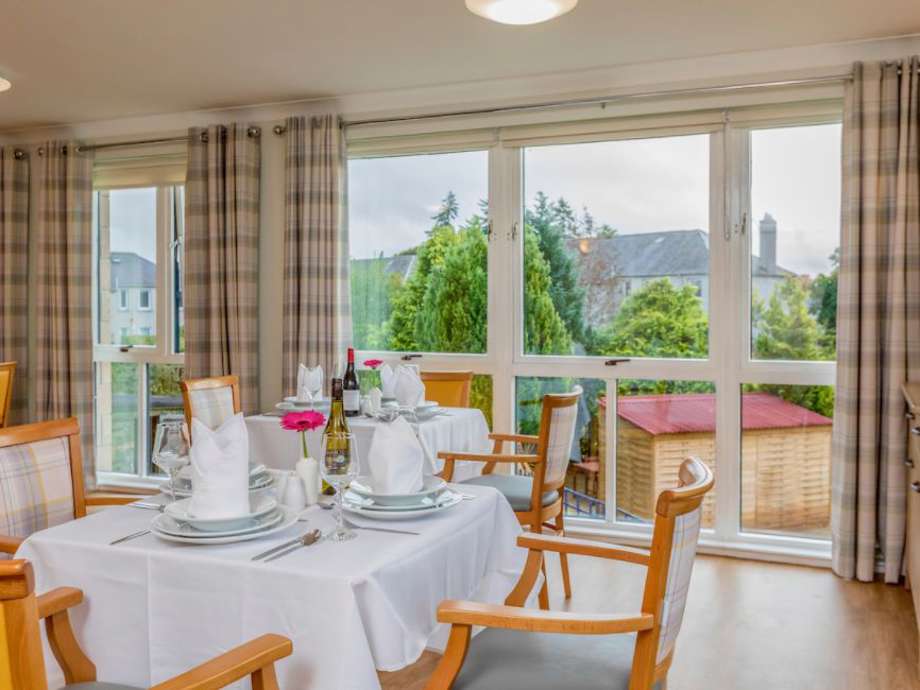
156	608
450	429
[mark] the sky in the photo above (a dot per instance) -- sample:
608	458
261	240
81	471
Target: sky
636	186
132	219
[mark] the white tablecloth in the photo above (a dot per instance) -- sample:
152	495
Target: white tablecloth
154	609
459	429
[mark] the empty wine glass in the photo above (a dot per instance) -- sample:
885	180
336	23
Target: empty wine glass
170	448
339	468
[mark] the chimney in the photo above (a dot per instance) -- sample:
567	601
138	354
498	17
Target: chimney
768	244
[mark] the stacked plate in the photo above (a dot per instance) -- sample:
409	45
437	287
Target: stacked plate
434	497
265	517
259	478
292	403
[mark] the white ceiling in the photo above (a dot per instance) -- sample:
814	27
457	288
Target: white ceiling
73	61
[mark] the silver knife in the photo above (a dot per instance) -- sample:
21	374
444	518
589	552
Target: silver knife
306	540
135	535
280	547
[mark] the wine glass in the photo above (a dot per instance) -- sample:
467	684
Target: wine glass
339	468
170	448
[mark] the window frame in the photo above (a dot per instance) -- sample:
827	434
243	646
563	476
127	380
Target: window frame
144	292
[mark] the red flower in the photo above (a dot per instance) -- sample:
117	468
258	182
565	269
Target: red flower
373	363
303	421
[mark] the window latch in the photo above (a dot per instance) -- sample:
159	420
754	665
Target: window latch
489	230
741	228
410	357
126	348
514	231
615	361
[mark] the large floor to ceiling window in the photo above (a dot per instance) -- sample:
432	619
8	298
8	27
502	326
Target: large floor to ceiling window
683	276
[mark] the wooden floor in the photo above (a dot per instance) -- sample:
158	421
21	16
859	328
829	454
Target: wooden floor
756	626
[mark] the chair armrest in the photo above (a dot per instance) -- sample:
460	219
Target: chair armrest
9	544
57	600
532	620
515	438
99	498
489	457
256	658
583	547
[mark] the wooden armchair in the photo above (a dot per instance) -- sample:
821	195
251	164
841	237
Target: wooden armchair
212	400
575	650
41	480
22	664
536	499
448	388
7	372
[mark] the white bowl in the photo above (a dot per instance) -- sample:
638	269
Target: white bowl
259	504
363	486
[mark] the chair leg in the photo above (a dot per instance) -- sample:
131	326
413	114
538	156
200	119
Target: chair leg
544	590
564	559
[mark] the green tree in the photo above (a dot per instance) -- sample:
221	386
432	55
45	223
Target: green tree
822	302
784	327
544	331
448	211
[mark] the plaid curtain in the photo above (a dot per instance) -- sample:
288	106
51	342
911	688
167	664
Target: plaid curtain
317	295
63	188
222	257
878	317
14	274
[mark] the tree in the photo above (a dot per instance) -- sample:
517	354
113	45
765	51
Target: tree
784	328
545	331
822	303
448	211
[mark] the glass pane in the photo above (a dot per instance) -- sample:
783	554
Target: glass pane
795	202
584	494
616	248
178	277
419	248
659	424
126	221
786	459
164	396
116	442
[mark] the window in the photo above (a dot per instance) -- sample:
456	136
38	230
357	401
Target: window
137	363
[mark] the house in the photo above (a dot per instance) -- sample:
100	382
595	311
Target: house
131	297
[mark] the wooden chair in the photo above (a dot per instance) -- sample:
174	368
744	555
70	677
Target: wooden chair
22	664
536	499
543	650
41	480
448	388
212	400
7	370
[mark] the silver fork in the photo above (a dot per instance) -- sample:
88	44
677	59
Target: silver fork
306	540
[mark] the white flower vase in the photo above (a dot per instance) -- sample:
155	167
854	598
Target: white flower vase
308	471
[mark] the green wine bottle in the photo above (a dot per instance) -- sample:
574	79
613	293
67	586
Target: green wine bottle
336	431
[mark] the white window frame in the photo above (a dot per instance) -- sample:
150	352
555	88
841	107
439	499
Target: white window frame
140	355
122	299
729	364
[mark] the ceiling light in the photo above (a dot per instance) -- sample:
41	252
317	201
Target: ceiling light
5	84
520	11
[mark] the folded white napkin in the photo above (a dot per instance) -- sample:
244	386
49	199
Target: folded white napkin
309	383
396	459
220	469
409	389
387	381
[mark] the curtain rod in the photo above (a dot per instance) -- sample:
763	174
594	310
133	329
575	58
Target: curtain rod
251	131
601	100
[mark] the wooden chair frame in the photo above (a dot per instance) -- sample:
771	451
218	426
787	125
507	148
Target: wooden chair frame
539	516
464	378
188	385
59	428
695	479
7	399
21	646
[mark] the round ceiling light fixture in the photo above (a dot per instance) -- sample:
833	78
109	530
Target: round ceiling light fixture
5	84
520	11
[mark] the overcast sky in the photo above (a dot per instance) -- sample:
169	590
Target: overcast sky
635	186
132	217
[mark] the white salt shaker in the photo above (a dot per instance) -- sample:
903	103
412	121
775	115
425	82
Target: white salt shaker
294	495
308	471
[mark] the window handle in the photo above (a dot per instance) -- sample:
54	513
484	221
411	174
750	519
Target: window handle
514	231
410	357
615	361
489	230
126	348
741	228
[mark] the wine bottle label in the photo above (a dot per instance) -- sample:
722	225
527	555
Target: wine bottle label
351	400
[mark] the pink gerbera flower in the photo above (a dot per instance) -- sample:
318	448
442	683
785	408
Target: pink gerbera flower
373	363
303	422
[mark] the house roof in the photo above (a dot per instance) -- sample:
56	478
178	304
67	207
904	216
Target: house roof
131	270
696	412
653	254
401	264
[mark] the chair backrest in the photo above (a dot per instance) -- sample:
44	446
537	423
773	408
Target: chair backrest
7	370
211	400
448	388
677	529
557	431
41	476
22	663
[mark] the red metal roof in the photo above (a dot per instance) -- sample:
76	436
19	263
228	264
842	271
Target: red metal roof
696	412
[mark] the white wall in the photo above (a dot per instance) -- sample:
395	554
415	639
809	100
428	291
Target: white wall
818	60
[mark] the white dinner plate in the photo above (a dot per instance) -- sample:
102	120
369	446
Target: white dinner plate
291	404
290	518
165	524
259	505
430	486
361	503
450	499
